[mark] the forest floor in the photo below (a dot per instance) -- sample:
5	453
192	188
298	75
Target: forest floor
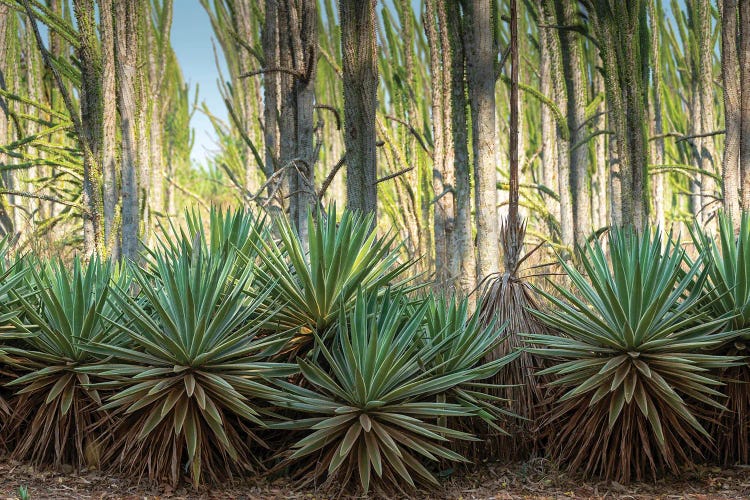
529	480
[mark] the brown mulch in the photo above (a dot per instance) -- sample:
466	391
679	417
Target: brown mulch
536	479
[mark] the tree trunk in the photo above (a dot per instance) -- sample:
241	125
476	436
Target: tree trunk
745	101
600	197
513	218
360	74
271	96
6	224
126	47
622	43
159	50
480	70
91	118
548	130
442	171
730	73
703	111
657	143
109	130
305	53
143	114
463	245
576	107
559	88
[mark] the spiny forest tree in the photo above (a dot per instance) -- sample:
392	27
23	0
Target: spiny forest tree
64	98
399	107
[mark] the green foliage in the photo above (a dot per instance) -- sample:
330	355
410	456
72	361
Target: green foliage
727	263
55	409
727	296
223	232
374	408
188	384
463	343
631	366
344	256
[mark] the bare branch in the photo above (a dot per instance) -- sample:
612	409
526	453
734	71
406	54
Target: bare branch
44	197
263	71
412	130
695	136
393	175
329	178
333	110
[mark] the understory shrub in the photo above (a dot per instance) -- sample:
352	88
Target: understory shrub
189	388
727	296
381	396
57	416
631	366
236	348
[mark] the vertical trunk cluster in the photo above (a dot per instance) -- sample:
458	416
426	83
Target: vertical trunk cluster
127	14
600	181
657	128
443	178
744	44
271	93
109	129
462	251
360	75
91	116
703	186
732	113
481	55
158	53
554	48
290	52
623	48
6	223
735	72
577	101
548	149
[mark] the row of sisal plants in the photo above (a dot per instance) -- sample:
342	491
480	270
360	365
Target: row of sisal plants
236	349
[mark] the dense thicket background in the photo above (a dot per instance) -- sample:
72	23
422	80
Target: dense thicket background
630	112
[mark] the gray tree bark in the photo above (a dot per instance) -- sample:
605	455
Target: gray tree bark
576	106
435	22
109	130
126	49
703	112
360	75
159	48
91	118
463	244
560	93
480	70
548	129
6	223
744	8
618	31
730	74
657	127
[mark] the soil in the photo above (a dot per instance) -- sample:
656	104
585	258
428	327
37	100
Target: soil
532	480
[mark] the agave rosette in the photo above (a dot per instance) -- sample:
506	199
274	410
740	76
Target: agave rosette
343	256
727	295
12	279
55	410
190	386
631	365
374	405
462	343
